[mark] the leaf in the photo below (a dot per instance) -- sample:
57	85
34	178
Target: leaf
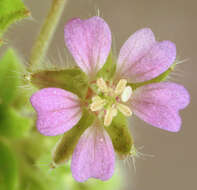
73	80
35	158
8	168
69	140
10	12
160	78
10	76
120	135
108	70
12	124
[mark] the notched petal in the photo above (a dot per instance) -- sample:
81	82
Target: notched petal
134	48
57	110
161	56
89	42
158	104
94	156
142	58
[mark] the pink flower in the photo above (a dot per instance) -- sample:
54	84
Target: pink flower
140	59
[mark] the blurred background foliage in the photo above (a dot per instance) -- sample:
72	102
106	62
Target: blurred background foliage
25	155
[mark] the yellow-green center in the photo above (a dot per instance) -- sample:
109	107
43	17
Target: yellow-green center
111	100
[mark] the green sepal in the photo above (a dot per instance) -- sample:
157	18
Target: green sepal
69	140
160	78
10	69
12	124
73	80
108	70
11	11
120	135
8	168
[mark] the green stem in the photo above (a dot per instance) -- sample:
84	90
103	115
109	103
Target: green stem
43	41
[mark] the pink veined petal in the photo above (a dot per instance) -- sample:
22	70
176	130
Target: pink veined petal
93	156
58	110
89	42
134	49
156	61
159	104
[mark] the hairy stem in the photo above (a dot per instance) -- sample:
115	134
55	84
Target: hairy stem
43	41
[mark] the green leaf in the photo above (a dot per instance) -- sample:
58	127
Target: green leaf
10	12
120	135
8	168
108	70
160	78
10	76
73	80
12	124
69	140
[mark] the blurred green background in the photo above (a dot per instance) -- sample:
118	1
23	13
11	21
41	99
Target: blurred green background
25	154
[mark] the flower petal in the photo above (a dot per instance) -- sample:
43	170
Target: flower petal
89	41
94	156
58	110
158	104
156	61
134	48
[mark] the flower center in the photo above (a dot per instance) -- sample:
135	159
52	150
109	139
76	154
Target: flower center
110	100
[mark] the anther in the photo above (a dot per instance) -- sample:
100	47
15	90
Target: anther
120	87
102	85
97	103
111	112
124	109
126	94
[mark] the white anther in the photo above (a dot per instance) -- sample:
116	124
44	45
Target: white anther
126	94
114	111
111	112
124	109
120	87
97	103
102	85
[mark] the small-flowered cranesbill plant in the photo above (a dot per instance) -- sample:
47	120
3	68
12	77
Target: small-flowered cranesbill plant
89	104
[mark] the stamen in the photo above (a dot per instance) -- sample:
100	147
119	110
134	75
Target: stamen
114	111
120	87
124	109
97	103
126	94
111	112
102	85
